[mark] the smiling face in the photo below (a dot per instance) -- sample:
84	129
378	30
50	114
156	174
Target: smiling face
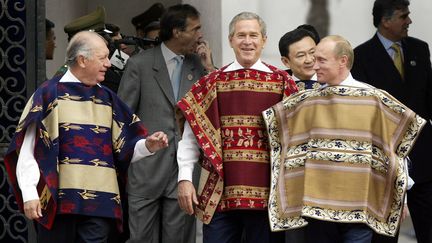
301	58
396	27
327	65
94	67
247	42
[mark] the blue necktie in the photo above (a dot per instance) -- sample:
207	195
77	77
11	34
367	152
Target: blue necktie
176	75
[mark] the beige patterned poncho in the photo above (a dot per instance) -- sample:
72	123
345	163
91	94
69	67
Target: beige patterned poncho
337	154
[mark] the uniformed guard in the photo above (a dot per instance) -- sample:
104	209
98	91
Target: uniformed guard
94	21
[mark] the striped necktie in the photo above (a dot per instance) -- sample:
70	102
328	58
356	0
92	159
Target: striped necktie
397	58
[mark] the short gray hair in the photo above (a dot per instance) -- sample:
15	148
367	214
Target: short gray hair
247	16
342	48
80	45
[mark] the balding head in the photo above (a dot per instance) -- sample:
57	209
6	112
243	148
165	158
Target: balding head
82	44
87	57
342	47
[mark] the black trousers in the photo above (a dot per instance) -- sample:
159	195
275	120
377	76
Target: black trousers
319	231
76	229
378	238
419	204
251	226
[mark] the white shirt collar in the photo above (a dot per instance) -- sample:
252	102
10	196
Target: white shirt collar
350	81
257	66
69	77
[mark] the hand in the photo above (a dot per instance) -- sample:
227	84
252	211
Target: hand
187	196
405	212
156	141
33	209
204	52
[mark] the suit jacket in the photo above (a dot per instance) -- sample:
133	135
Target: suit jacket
146	88
373	65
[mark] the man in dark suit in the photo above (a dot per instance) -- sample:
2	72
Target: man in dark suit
151	88
401	65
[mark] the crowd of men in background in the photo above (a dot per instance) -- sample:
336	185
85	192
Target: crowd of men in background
215	160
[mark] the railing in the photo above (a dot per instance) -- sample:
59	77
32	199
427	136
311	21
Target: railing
21	66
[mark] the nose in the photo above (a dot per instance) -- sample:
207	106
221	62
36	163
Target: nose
247	39
199	35
315	66
309	58
409	20
107	63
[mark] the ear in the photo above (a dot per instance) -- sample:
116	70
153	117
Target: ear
343	60
176	33
264	41
385	22
81	61
230	38
286	61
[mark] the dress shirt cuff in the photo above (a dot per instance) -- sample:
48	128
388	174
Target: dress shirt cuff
140	151
29	193
187	154
407	163
185	173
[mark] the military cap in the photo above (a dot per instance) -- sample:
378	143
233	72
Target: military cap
150	15
93	21
49	24
155	25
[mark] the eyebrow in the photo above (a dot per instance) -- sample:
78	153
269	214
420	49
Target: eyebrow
195	27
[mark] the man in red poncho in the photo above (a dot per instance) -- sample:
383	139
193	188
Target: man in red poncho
223	113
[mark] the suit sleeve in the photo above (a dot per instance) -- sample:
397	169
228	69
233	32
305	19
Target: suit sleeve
129	89
358	71
429	85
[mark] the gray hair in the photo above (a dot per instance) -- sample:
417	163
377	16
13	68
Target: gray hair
247	16
80	45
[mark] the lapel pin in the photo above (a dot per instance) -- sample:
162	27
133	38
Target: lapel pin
413	63
190	77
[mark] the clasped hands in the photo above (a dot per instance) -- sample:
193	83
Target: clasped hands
156	141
